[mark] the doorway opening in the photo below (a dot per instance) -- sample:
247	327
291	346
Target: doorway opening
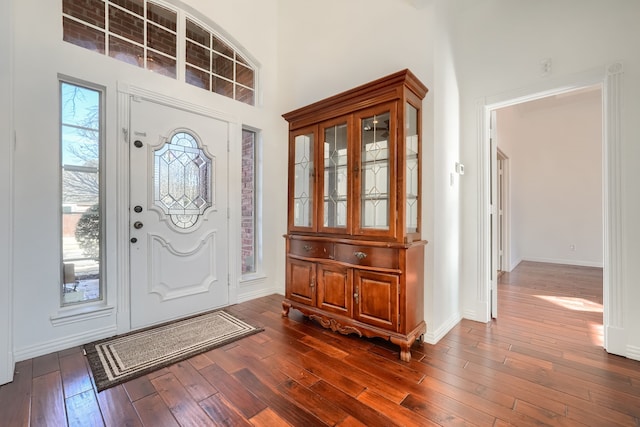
610	79
552	147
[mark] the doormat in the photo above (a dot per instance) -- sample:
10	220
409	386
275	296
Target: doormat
124	357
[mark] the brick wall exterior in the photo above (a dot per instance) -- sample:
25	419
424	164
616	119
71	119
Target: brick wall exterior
248	210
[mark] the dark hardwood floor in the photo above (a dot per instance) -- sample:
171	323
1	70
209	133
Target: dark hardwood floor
540	363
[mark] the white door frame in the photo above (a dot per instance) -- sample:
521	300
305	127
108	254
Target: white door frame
125	92
611	78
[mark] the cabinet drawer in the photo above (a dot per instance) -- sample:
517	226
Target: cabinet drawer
311	249
367	256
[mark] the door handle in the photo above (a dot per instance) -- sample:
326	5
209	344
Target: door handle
138	225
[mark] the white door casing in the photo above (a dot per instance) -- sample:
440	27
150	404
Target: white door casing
178	260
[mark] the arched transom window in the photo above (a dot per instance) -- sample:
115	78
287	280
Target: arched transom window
162	39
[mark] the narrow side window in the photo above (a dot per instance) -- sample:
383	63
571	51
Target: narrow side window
82	220
250	205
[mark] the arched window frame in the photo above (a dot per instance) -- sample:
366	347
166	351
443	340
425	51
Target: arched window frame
155	35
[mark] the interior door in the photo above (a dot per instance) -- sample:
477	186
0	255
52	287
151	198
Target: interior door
493	270
178	213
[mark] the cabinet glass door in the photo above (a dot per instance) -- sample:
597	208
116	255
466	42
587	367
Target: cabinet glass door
375	171
335	175
412	165
303	182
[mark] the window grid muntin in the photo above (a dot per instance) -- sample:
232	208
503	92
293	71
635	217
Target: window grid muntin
177	65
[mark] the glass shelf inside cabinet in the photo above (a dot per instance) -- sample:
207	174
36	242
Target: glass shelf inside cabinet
303	183
375	172
335	176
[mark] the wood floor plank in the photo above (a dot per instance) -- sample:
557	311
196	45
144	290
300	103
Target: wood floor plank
138	388
195	384
285	409
540	363
15	397
153	411
117	409
75	374
360	411
322	408
186	410
83	410
222	412
47	400
233	391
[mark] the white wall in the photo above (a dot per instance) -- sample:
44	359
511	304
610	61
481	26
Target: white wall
331	46
498	46
40	55
554	146
6	190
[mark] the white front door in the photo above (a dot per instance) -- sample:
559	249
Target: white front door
178	213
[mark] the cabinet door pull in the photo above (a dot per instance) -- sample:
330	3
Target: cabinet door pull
360	255
356	296
313	283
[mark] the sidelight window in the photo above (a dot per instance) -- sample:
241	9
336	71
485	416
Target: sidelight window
81	136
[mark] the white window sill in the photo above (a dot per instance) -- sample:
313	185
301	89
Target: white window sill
67	315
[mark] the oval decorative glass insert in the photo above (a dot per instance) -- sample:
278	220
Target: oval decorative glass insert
182	179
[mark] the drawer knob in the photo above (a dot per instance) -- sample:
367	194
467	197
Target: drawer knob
360	255
307	247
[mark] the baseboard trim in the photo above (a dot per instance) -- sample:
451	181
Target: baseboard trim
438	334
40	349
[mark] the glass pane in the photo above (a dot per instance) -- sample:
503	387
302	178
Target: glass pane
161	40
126	52
135	6
89	11
335	176
303	182
81	215
83	35
197	77
244	95
182	180
198	56
375	172
198	34
222	66
244	75
248	203
412	164
222	86
162	16
161	64
126	25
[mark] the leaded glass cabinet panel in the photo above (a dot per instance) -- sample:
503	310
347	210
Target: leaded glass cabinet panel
335	175
302	172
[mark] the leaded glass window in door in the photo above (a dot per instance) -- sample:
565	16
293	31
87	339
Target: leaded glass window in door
374	195
335	176
183	179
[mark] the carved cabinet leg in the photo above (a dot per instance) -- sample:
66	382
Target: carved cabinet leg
285	309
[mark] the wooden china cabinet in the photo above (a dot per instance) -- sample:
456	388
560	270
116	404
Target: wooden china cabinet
355	258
